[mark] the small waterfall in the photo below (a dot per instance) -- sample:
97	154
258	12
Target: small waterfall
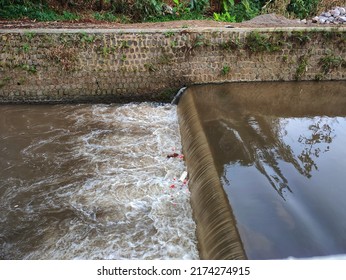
217	233
266	164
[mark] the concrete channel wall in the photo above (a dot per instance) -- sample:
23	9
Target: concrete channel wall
93	65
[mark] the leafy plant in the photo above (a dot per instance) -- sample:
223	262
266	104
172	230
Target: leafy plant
105	17
199	5
225	70
4	81
330	61
169	34
224	17
87	38
26	47
302	67
164	59
106	51
120	6
256	42
145	9
180	8
137	10
69	16
303	8
319	76
245	10
65	56
124	45
29	35
29	68
198	41
33	10
174	44
301	37
123	58
227	5
231	44
150	67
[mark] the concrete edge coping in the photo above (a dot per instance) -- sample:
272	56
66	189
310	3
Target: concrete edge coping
161	30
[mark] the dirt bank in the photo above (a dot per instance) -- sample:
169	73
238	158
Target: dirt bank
269	20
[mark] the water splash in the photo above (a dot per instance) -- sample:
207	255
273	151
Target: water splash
93	182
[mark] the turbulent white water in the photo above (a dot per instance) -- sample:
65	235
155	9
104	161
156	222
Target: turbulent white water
93	182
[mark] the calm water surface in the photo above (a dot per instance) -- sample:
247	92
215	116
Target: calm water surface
280	151
93	182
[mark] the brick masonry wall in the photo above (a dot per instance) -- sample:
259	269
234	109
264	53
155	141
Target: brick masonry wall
124	65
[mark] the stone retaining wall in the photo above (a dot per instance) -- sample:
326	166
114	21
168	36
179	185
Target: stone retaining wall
123	65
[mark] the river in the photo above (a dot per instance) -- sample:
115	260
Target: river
93	182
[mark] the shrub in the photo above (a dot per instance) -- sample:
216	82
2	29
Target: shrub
225	70
199	6
303	8
105	16
256	42
16	9
245	10
145	9
330	62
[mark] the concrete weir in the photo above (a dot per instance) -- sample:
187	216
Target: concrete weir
265	165
93	65
216	231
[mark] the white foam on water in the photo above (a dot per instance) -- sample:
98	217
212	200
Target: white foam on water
121	198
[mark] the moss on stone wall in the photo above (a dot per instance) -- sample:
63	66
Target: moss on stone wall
100	65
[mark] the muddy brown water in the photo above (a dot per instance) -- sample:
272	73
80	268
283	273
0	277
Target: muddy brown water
278	150
93	182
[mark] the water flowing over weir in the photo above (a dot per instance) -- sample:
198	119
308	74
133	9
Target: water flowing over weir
216	229
266	163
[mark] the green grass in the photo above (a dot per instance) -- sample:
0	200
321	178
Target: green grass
105	17
184	16
330	62
26	47
35	11
231	45
87	38
225	70
169	34
256	42
302	67
29	68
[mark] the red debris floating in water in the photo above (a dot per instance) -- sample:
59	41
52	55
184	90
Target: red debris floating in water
172	186
174	155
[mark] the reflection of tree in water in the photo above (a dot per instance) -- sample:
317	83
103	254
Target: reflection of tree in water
321	133
259	141
253	140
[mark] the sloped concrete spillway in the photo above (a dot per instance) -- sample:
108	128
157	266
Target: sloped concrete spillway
267	168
